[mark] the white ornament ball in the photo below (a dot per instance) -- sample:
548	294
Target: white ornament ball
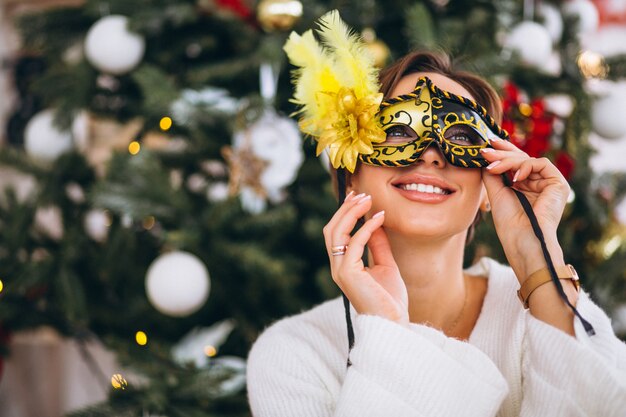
552	21
43	140
97	224
531	41
277	140
587	13
177	283
552	66
111	47
608	115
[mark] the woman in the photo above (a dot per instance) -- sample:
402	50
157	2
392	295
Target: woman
431	339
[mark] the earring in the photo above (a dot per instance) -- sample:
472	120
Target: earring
486	207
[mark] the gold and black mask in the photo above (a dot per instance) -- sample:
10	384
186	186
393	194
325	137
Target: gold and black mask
412	122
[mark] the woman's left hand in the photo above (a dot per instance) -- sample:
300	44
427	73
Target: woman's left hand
547	191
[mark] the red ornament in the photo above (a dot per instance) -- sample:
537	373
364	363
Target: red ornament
237	7
528	124
565	163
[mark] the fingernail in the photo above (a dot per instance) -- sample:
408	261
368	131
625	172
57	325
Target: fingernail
516	175
380	213
359	196
349	195
494	139
487	150
493	164
366	198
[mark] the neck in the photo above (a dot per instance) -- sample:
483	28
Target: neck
432	270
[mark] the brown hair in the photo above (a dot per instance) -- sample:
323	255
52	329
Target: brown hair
441	63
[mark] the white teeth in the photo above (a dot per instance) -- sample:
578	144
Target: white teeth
424	188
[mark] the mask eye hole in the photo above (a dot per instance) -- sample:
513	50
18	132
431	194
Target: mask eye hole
463	135
398	134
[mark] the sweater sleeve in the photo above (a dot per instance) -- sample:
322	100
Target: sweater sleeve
566	376
396	371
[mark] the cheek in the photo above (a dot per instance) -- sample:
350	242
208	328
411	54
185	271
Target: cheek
473	190
366	179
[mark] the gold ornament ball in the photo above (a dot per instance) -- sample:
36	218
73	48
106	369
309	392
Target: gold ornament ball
278	15
377	48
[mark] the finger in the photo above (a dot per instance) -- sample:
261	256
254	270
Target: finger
538	168
491	154
506	164
505	145
349	201
361	238
338	229
493	184
381	248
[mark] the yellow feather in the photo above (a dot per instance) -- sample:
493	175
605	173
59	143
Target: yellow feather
353	64
315	74
336	84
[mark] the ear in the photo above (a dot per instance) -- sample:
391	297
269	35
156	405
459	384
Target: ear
352	183
485	206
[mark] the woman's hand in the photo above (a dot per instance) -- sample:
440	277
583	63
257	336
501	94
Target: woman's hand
546	190
378	289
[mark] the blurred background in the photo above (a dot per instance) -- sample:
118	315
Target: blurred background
158	208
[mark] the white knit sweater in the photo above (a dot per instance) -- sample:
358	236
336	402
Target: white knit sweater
513	365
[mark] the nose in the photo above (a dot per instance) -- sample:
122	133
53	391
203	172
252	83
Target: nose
432	156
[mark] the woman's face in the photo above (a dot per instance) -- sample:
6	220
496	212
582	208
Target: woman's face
430	198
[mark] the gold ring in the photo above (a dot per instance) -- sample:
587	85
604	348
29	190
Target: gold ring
338	250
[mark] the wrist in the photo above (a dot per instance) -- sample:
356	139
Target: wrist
529	257
568	278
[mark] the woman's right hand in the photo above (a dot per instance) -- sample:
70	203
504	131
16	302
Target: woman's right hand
375	290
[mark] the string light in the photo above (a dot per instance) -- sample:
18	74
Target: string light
166	123
134	147
611	246
148	222
119	382
525	109
210	351
1	285
141	338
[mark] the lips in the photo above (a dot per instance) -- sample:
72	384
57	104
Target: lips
423	188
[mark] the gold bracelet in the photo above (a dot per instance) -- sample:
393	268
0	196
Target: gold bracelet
538	278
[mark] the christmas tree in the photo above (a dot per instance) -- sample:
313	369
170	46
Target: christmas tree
171	191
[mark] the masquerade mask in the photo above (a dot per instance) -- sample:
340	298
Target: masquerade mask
413	122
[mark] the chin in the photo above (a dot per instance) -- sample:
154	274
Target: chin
427	228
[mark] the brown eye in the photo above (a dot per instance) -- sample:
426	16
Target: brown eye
463	135
400	134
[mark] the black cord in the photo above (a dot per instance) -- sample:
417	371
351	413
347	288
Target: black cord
341	191
539	233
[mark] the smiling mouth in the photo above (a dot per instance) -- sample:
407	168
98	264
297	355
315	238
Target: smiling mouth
424	188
